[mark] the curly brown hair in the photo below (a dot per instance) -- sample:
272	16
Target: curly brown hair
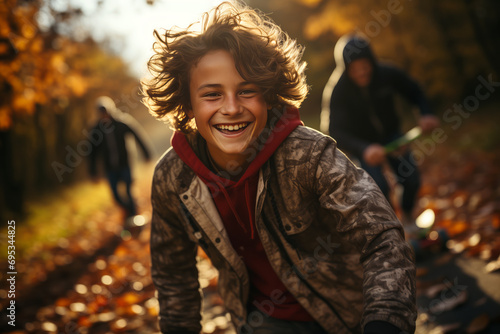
263	54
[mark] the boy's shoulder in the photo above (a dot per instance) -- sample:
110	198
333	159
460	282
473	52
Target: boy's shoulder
308	137
168	166
303	143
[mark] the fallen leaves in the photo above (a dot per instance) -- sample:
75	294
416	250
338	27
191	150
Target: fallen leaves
463	191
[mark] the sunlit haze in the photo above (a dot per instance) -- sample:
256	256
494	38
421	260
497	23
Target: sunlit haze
129	24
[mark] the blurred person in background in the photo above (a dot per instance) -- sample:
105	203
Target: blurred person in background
109	145
359	111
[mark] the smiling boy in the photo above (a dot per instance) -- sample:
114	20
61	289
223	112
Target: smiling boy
230	113
304	242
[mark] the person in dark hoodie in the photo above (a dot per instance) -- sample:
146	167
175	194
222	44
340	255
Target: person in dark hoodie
358	110
304	242
109	145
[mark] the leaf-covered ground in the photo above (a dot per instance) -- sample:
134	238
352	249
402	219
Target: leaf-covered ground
81	271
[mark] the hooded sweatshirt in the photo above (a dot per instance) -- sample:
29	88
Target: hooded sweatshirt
358	117
236	201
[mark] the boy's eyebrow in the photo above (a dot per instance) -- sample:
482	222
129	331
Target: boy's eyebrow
209	86
214	85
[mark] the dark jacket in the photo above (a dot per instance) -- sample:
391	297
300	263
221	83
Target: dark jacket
108	140
328	231
358	117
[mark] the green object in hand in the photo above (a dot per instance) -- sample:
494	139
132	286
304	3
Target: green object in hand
403	140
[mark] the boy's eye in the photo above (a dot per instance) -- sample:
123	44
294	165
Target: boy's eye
211	95
248	92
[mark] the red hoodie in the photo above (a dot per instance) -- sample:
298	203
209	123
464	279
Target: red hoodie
235	201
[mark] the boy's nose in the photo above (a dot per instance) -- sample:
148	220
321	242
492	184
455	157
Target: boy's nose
231	105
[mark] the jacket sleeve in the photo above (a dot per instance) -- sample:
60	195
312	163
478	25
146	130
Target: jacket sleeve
410	90
367	221
335	115
340	118
173	258
140	136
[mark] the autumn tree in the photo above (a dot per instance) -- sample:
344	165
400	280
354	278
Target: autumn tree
49	80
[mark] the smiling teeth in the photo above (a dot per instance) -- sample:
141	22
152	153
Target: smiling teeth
233	127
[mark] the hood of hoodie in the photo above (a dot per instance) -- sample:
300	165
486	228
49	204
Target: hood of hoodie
348	49
238	196
107	103
352	47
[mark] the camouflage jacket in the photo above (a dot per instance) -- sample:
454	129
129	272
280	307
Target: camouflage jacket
327	230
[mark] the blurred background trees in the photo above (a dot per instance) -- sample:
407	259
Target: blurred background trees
50	74
51	69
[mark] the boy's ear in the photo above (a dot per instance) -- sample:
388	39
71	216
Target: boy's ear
190	113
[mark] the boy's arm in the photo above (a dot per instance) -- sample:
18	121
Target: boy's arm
173	258
369	223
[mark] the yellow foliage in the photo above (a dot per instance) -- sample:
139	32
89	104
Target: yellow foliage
40	96
28	31
46	66
5	118
333	18
310	3
57	61
19	42
36	73
4	27
37	45
24	103
77	84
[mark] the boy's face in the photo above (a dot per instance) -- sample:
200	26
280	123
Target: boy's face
229	112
